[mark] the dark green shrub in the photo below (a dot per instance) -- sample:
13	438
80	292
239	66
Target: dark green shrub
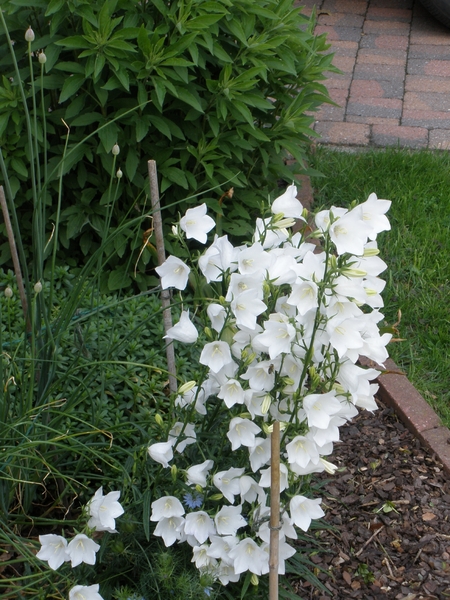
217	92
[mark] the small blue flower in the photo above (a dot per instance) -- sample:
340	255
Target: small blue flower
207	591
194	500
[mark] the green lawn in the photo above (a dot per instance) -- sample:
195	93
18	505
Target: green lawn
417	251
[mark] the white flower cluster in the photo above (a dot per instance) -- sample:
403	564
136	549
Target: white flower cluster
288	324
56	550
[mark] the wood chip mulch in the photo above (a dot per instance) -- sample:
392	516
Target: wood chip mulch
389	505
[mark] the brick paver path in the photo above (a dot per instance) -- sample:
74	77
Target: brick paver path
395	83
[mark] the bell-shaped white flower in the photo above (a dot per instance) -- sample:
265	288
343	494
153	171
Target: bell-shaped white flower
188	433
196	223
266	481
170	529
242	432
231	393
304	510
246	308
197	474
166	507
229	519
248	556
220	547
200	525
104	510
217	315
215	355
227	482
259	453
183	331
162	452
174	273
301	450
277	337
374	214
320	407
53	550
287	204
202	559
82	549
85	592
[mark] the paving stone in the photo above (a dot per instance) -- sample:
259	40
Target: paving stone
371	120
416	83
341	19
371	88
416	66
367	57
439	139
386	27
429	51
375	107
336	81
429	119
440	68
378	71
382	12
352	34
343	134
372	40
405	137
357	7
427	101
438	37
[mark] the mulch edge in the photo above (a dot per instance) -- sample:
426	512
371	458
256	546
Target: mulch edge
395	390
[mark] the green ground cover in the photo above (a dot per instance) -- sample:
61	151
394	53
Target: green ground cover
416	250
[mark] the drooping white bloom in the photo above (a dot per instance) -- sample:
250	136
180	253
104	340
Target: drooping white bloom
242	432
104	510
217	315
261	375
170	529
246	308
301	450
349	233
254	259
227	482
231	393
197	474
266	481
53	550
188	433
374	214
216	355
174	273
183	331
320	407
277	337
287	204
248	556
162	452
202	559
200	525
304	510
229	519
259	453
82	549
220	547
85	592
196	223
166	507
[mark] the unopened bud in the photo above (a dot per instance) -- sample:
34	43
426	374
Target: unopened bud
199	488
173	472
29	35
119	174
8	292
245	415
305	213
284	223
332	262
186	387
159	419
38	287
266	404
288	381
175	230
208	333
216	497
254	579
354	272
42	58
329	467
115	149
371	252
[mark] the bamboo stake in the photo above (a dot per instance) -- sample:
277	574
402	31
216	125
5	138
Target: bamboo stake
274	511
165	294
14	255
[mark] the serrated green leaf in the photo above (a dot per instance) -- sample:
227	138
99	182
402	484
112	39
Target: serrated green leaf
71	86
85	11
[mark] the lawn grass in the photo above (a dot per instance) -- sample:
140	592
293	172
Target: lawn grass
417	251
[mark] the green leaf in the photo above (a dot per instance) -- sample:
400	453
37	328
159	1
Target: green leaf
202	22
117	280
19	166
160	125
175	175
142	128
123	77
54	6
86	119
86	242
146	497
74	41
70	66
108	136
71	85
131	163
189	98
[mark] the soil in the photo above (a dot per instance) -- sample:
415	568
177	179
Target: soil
389	508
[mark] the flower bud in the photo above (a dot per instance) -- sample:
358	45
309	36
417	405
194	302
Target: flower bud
305	213
371	252
119	174
38	287
245	415
332	262
199	488
266	404
29	35
216	497
173	472
115	149
288	381
283	223
42	58
254	579
354	272
175	230
208	333
8	292
186	387
159	419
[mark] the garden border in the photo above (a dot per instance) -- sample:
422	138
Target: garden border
396	391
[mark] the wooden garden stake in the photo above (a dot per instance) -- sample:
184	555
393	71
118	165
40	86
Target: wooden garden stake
165	294
274	511
14	255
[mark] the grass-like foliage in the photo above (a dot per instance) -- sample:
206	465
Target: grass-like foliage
217	92
416	252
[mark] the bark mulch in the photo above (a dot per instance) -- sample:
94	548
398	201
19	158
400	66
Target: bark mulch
389	505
